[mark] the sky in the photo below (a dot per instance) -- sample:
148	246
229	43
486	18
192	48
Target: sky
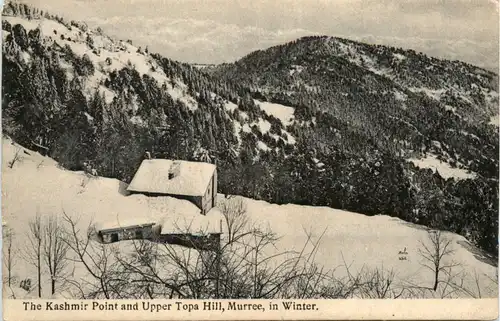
216	31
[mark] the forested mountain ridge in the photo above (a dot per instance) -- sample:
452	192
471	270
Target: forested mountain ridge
328	129
370	100
302	65
412	100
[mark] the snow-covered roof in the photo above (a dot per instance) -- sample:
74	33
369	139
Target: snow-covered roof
189	178
139	210
117	223
192	223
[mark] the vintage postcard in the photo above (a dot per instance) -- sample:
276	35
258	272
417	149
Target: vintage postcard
267	159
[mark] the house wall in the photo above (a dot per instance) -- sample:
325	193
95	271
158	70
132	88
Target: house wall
214	194
206	242
127	234
210	194
197	200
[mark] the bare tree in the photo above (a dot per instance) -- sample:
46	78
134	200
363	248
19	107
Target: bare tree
494	280
33	251
10	256
54	250
365	283
479	284
378	283
249	266
95	258
234	212
435	254
16	158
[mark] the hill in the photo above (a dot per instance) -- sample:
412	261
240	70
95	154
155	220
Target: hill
319	121
406	102
353	101
334	242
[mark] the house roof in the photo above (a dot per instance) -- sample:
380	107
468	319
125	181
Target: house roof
175	216
190	178
139	210
119	223
192	223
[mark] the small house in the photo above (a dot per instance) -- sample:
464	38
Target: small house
193	181
110	233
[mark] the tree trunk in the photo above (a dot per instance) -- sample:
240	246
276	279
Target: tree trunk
436	280
9	267
218	258
53	286
39	268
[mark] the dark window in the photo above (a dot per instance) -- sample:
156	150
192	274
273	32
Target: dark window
114	237
138	234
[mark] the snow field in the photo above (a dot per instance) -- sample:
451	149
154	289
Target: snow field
37	184
444	169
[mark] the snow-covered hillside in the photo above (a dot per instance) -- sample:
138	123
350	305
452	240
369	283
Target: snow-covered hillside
282	112
359	54
109	56
36	184
105	53
443	168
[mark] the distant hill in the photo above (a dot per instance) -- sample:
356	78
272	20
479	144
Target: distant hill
319	121
406	101
365	100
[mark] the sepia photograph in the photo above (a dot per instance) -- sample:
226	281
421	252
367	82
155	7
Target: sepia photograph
248	150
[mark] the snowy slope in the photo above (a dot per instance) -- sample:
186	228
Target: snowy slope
36	184
109	55
106	54
443	168
359	54
282	112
